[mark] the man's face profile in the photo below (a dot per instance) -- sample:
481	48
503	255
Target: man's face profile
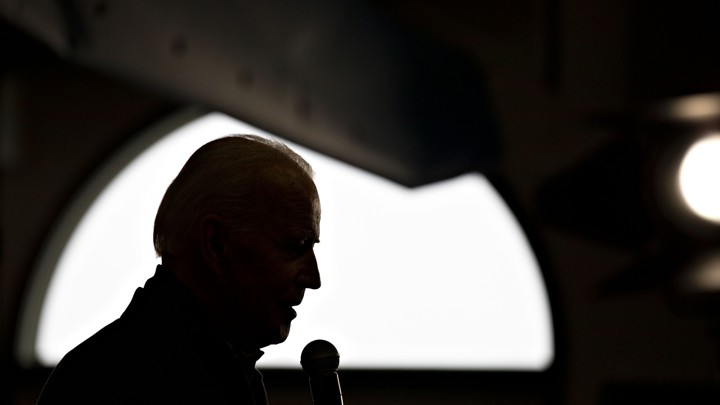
270	267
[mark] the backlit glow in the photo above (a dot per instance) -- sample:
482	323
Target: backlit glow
704	276
695	107
699	178
439	277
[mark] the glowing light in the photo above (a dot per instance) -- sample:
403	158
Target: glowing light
705	275
694	107
699	178
439	277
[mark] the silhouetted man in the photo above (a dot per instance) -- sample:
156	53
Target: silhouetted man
235	231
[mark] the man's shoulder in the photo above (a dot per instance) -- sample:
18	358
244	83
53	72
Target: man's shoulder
110	348
118	361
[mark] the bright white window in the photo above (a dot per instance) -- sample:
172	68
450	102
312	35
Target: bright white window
438	277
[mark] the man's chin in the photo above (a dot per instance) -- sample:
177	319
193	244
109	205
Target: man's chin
279	336
284	333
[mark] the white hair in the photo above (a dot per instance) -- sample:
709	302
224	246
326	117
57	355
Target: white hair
222	177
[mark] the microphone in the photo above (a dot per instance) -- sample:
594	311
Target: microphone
320	360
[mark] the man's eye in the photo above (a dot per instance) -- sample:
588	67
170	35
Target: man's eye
301	247
306	244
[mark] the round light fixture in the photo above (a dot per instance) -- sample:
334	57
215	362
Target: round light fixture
699	178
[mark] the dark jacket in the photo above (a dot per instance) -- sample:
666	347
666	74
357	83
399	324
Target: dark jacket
162	350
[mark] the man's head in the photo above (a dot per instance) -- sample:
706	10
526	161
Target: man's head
238	226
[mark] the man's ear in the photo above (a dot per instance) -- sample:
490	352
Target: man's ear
214	242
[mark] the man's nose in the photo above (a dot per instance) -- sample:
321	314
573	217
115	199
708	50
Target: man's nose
309	276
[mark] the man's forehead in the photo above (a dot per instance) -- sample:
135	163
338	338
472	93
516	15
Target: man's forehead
293	212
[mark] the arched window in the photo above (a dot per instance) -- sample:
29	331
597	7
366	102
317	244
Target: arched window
438	277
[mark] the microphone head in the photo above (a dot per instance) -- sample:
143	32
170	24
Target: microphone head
319	357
